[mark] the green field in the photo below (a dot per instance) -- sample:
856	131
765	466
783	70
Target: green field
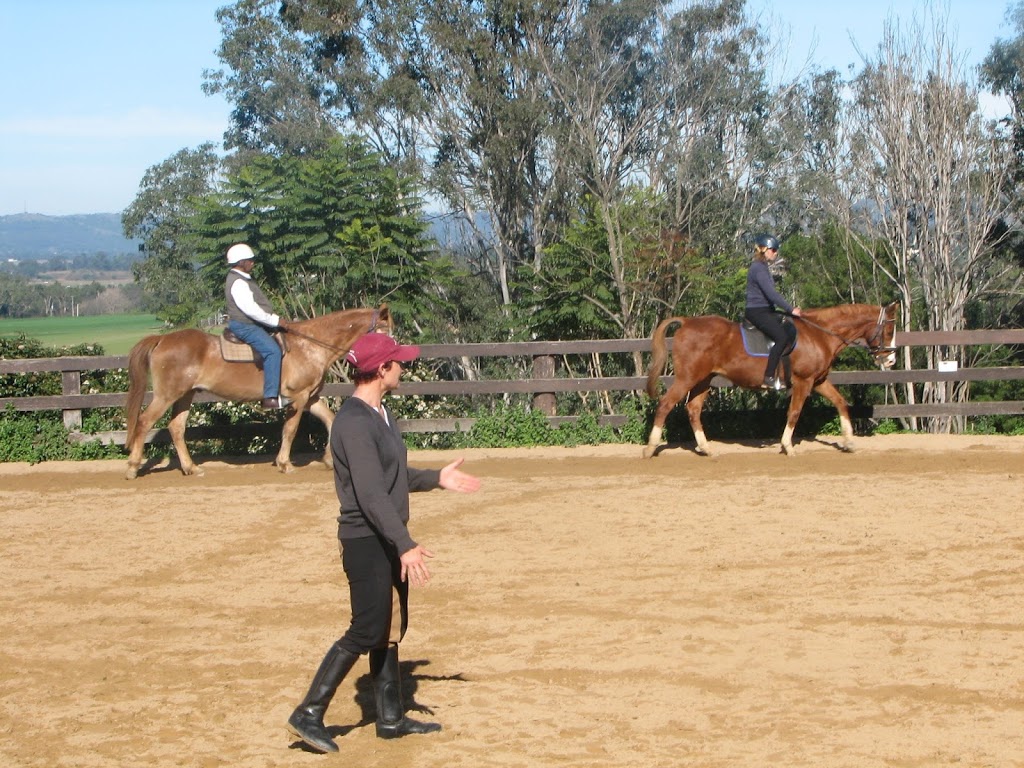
115	333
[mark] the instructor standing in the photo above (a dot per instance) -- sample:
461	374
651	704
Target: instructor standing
380	557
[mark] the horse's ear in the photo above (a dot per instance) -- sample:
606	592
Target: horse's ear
384	316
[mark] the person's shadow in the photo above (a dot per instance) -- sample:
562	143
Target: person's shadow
365	700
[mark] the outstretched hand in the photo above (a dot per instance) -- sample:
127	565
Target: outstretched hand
454	479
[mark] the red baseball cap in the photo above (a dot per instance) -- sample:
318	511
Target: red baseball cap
374	349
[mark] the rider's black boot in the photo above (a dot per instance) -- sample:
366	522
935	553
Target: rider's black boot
387	683
307	721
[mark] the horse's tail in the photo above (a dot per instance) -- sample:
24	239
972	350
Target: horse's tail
659	356
138	377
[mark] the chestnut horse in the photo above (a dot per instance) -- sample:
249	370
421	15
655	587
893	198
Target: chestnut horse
184	362
709	345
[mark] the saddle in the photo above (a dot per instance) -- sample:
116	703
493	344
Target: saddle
234	350
757	344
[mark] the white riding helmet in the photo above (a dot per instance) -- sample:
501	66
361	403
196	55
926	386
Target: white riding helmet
240	252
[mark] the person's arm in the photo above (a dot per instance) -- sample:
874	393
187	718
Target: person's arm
451	478
244	300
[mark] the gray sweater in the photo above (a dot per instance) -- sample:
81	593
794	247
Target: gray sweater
372	477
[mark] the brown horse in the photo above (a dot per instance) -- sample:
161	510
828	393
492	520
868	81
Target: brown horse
709	345
187	361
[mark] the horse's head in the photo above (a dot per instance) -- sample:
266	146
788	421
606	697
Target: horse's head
384	323
881	341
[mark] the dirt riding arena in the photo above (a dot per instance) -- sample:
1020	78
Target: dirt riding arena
588	608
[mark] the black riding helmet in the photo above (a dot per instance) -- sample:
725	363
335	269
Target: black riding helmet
767	241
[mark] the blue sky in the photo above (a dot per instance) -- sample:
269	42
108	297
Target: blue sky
95	93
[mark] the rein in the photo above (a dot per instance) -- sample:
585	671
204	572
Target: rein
878	333
373	326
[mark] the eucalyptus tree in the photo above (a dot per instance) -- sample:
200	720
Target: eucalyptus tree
669	124
278	96
933	177
1003	72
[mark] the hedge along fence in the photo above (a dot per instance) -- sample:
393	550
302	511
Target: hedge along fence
542	384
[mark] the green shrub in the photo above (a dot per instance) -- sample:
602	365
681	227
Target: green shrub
41	436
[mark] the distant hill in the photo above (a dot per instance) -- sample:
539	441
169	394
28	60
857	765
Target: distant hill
27	236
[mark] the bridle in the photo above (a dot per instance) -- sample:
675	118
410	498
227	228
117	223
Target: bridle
874	342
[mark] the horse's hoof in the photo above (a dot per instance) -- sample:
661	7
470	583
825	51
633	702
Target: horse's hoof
649	451
132	473
193	471
285	467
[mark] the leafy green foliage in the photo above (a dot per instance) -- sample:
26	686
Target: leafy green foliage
34	438
333	230
512	425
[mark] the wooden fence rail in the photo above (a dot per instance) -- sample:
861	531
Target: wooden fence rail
541	384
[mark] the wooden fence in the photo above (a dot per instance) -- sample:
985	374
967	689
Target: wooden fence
542	384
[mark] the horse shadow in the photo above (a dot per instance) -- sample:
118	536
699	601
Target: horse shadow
157	465
364	698
690	446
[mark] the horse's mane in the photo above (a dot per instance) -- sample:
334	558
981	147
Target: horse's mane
840	312
358	315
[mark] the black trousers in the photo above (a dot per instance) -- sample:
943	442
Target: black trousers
783	334
374	575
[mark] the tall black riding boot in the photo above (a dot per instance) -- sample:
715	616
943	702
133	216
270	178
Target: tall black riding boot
387	686
307	721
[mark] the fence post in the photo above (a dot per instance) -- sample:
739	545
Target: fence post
71	384
544	368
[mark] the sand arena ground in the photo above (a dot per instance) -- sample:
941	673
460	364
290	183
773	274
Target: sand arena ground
588	608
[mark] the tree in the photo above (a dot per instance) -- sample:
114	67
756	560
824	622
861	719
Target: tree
277	93
332	230
931	180
160	216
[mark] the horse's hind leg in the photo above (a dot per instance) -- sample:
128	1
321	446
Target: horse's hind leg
176	426
137	448
693	409
668	401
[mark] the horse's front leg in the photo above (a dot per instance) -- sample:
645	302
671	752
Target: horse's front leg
801	389
176	426
322	411
828	390
291	426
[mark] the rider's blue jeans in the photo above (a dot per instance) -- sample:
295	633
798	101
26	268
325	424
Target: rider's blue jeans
265	347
